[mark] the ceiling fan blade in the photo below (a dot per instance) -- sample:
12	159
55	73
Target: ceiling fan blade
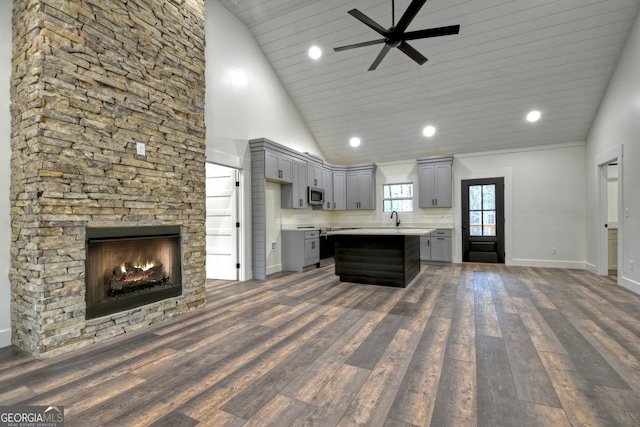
432	32
412	53
380	57
368	22
408	16
353	46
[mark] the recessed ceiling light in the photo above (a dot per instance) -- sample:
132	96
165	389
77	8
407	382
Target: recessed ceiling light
533	116
315	52
429	131
355	142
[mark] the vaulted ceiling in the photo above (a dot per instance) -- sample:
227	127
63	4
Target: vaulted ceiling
510	57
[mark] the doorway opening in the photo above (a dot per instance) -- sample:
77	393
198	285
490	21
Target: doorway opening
612	219
483	220
609	213
223	234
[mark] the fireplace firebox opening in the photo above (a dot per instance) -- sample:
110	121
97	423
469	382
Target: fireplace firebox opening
128	267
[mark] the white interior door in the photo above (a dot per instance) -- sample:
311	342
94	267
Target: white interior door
222	216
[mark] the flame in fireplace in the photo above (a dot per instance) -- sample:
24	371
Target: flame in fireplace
143	266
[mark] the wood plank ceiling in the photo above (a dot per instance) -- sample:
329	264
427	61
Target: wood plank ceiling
511	56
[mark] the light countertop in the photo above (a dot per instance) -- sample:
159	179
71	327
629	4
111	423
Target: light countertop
383	232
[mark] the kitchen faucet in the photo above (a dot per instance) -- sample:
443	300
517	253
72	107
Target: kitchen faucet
397	219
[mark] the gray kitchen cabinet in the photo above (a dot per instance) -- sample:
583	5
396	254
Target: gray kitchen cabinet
314	174
436	246
300	249
435	182
278	167
339	190
327	184
361	188
294	195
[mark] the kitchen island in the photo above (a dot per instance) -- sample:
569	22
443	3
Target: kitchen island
378	256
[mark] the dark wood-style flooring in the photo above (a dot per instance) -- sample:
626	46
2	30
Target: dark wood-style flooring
463	345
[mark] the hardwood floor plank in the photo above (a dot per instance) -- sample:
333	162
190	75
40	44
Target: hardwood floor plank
615	329
456	402
591	365
416	395
173	419
538	297
497	399
624	363
543	416
325	367
281	410
531	379
371	405
372	349
461	344
622	405
15	395
330	403
539	331
219	418
420	313
485	316
580	404
501	298
464	344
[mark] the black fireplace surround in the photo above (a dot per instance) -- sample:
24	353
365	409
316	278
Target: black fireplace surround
128	267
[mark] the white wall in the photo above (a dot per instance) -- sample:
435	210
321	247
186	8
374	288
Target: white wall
5	172
245	100
544	202
618	124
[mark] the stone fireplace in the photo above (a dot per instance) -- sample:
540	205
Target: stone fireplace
108	168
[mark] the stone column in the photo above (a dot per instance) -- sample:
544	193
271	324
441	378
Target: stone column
92	79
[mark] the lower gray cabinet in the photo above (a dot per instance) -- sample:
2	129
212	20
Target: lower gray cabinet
436	246
300	249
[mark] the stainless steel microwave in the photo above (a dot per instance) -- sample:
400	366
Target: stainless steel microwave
315	196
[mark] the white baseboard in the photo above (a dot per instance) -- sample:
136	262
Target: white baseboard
276	268
5	338
545	263
633	286
591	268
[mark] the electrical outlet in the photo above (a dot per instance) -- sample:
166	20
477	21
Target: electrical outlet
632	266
274	245
140	148
554	251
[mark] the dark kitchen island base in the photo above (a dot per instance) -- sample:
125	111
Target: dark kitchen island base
392	260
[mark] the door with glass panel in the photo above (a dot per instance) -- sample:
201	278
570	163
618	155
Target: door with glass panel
483	220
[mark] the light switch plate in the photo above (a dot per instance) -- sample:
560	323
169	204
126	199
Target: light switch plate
140	149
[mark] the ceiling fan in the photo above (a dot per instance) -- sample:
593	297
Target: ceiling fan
396	35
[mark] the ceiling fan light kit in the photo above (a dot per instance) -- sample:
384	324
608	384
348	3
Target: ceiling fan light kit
396	35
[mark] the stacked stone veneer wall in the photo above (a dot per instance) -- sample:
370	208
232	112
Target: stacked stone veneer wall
90	79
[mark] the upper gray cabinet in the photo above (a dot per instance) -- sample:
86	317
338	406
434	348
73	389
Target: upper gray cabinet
278	167
435	182
314	174
327	184
361	185
294	195
339	190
